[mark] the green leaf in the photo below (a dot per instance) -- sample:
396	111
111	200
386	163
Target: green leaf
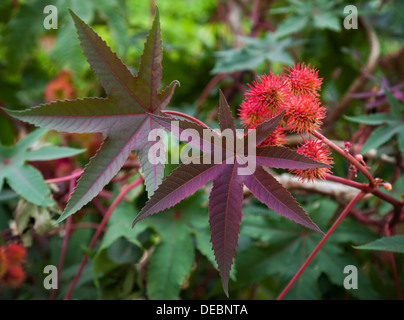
121	251
254	53
393	244
119	225
401	141
1	180
66	53
292	24
29	183
115	14
7	129
120	242
395	105
49	153
373	119
381	135
327	20
30	139
171	261
23	31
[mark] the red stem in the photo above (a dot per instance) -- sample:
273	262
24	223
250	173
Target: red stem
347	156
321	243
186	116
100	228
74	175
397	204
65	240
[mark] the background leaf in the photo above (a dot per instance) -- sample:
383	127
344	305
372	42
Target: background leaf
393	244
29	183
171	261
49	153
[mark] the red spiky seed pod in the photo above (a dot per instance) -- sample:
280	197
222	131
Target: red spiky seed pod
302	79
15	253
316	150
304	114
3	262
267	97
13	277
250	115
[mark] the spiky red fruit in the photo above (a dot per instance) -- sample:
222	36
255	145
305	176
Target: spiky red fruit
315	150
3	262
250	114
302	79
15	253
13	277
304	114
266	98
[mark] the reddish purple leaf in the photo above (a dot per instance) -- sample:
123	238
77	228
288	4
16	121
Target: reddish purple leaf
269	191
284	158
225	201
226	120
124	116
264	129
204	139
180	184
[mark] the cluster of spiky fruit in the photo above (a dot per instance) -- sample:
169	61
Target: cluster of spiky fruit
11	271
295	92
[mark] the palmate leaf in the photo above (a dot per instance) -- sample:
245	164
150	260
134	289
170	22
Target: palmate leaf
23	178
123	117
225	201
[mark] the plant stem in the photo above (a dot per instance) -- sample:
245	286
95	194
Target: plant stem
347	156
186	116
348	182
100	228
359	196
66	238
397	204
74	175
63	252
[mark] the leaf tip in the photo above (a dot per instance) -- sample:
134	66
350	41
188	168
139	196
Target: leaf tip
72	13
225	283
